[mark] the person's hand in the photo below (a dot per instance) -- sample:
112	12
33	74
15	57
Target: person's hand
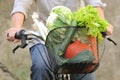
10	33
109	29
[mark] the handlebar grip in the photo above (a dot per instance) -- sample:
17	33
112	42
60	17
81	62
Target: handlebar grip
105	35
20	34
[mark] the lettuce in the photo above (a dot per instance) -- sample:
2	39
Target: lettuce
88	17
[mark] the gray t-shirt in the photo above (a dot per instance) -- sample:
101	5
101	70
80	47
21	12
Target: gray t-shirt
45	6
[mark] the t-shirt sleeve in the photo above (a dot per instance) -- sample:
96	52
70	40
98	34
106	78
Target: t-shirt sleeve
95	3
21	6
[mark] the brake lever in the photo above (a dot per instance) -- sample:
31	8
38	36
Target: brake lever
105	35
16	48
21	35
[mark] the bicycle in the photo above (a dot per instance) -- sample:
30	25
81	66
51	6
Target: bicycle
57	50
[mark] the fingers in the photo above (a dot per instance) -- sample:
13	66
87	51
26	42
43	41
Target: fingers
16	40
110	29
9	36
10	33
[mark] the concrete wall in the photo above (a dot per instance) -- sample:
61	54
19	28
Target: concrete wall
109	65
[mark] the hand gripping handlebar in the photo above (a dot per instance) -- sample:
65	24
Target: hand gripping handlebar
105	35
20	35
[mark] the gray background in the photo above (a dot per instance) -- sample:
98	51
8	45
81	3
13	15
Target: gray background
16	66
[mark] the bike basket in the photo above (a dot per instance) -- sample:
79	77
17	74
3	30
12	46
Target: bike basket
71	50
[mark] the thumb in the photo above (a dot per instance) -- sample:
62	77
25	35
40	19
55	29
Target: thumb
16	40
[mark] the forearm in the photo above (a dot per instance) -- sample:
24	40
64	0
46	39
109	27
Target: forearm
17	20
100	12
98	4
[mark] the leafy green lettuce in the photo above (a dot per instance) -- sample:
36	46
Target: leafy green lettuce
88	17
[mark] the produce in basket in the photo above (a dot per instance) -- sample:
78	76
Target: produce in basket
87	17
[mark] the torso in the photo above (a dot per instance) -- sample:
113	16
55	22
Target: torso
44	6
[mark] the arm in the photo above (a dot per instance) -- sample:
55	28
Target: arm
99	6
17	20
101	14
18	16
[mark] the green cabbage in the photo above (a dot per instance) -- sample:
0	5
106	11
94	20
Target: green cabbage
59	16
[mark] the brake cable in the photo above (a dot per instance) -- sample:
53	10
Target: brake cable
106	36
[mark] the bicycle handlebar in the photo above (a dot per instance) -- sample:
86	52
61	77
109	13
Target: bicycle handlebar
105	35
24	36
21	35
